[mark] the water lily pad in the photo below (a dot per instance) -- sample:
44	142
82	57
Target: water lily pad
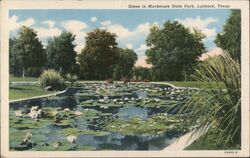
89	148
69	131
137	126
96	133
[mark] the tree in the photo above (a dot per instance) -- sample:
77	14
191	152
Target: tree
173	50
99	55
126	61
141	73
14	62
27	51
230	38
60	53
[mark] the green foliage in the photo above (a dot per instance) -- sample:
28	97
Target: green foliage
26	51
173	50
126	61
99	55
209	143
60	53
71	78
51	78
217	109
230	38
14	61
21	92
155	125
141	73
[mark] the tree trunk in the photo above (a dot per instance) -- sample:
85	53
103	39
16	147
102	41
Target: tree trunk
23	72
185	76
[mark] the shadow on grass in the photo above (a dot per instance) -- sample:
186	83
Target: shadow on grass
20	88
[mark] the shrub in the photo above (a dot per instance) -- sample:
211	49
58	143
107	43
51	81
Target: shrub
71	78
51	80
217	109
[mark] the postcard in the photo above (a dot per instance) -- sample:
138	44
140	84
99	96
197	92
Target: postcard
124	78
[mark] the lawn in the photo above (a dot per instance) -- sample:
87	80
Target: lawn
20	92
195	84
23	79
209	143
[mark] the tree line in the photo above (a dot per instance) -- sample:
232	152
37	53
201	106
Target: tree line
173	51
100	59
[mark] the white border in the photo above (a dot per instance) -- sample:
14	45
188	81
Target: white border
118	4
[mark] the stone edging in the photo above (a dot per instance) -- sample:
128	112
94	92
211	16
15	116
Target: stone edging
165	83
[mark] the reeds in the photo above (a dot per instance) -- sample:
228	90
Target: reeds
217	109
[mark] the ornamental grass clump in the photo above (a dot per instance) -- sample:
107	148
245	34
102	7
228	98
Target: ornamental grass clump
217	110
71	78
51	80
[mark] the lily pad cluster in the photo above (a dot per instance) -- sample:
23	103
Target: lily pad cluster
155	125
102	111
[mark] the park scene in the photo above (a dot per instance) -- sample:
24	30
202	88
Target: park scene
124	80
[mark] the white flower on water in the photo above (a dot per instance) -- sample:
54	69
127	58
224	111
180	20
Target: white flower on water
126	99
18	113
86	110
115	100
121	102
78	113
34	108
71	138
56	144
101	100
54	113
132	98
157	100
140	97
34	115
104	107
106	97
172	98
27	138
39	112
66	110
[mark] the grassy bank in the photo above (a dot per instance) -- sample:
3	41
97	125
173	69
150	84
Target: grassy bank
20	92
209	143
23	79
195	84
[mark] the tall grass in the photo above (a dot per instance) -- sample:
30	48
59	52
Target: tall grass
217	109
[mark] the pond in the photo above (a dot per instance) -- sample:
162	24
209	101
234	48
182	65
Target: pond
99	116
